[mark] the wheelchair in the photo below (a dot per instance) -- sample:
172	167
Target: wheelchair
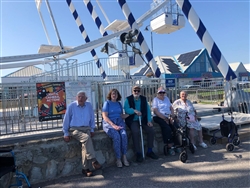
8	165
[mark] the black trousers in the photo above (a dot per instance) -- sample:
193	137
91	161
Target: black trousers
135	131
166	130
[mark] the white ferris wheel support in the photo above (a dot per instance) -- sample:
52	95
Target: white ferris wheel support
25	60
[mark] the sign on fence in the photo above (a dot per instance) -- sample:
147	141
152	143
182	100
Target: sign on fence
73	87
51	100
170	82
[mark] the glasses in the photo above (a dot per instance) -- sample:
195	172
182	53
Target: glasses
161	92
137	91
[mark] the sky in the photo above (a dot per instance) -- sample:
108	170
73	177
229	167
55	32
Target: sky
21	30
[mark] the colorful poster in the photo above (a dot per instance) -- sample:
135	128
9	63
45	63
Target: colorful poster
51	99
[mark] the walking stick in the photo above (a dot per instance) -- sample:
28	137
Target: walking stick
142	144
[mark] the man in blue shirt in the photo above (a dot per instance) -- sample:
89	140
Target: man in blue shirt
136	105
79	122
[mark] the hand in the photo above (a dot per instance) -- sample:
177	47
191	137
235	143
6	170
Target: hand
117	127
150	124
124	116
66	138
138	113
92	134
166	119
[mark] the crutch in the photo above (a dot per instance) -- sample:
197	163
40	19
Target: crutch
142	144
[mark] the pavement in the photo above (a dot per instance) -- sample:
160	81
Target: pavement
210	167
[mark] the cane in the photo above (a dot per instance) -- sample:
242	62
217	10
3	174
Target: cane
142	144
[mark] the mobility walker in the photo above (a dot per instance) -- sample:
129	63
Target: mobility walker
181	139
229	130
8	165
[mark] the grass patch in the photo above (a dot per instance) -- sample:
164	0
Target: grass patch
208	102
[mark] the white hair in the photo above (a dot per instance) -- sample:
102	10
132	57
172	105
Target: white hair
80	92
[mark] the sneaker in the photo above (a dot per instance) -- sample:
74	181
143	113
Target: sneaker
152	155
96	165
119	163
203	145
171	151
125	161
195	148
139	158
87	173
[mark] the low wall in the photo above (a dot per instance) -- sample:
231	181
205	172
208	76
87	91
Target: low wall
51	158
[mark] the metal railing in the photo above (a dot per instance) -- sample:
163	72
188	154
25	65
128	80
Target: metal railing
70	70
19	112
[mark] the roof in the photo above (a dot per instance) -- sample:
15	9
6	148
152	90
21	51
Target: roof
186	59
168	65
25	72
143	71
247	66
175	64
234	66
238	67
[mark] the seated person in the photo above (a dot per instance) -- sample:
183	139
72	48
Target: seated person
183	106
163	109
82	129
114	126
136	105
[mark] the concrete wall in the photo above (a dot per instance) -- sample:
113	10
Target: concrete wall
51	158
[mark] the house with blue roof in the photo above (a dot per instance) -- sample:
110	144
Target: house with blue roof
193	67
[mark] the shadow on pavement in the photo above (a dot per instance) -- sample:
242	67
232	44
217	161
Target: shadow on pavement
211	167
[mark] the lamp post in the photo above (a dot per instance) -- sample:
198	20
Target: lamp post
151	38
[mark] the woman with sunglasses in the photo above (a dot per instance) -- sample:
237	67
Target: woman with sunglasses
163	110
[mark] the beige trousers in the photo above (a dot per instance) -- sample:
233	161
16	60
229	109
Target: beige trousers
82	134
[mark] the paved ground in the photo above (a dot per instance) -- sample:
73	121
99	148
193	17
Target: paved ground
211	167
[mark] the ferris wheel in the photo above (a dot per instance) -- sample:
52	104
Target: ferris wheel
167	16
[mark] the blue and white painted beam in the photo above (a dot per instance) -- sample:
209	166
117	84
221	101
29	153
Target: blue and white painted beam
206	39
95	17
85	36
145	49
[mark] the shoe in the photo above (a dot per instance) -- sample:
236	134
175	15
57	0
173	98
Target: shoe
96	165
195	148
139	158
152	155
171	151
125	161
177	150
87	172
119	163
203	145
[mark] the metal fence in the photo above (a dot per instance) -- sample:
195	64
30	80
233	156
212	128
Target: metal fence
18	102
71	70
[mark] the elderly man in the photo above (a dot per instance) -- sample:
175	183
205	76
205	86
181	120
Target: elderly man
136	105
79	122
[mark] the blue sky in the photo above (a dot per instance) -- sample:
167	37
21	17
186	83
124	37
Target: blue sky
21	30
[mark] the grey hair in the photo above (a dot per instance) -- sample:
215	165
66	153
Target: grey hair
184	91
80	92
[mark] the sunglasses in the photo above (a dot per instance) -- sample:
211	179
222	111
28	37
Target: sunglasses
161	92
137	91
